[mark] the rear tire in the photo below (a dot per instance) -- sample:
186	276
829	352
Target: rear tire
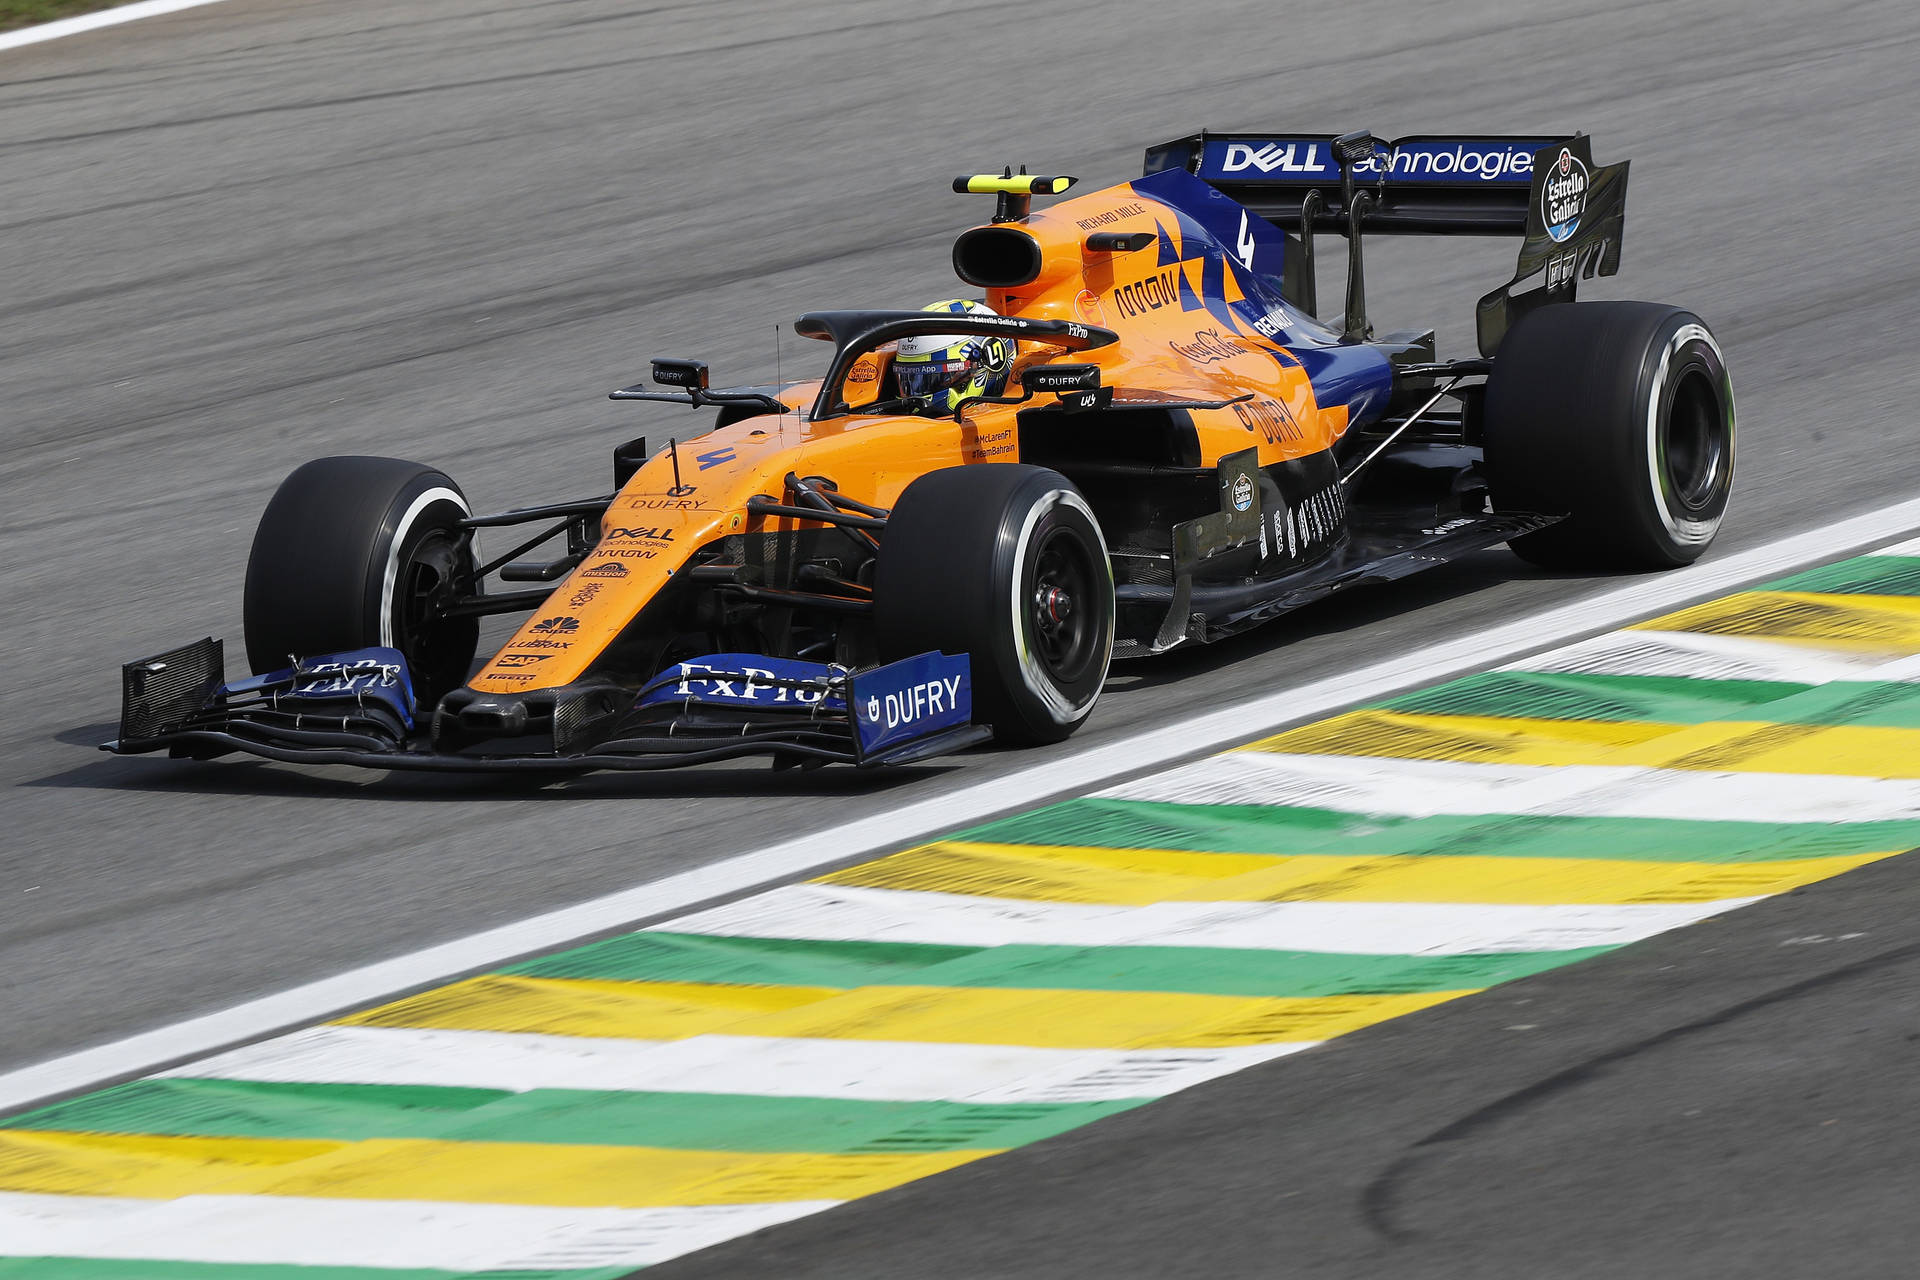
1619	414
1006	564
354	552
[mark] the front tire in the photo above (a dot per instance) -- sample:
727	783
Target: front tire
1619	414
354	552
1006	564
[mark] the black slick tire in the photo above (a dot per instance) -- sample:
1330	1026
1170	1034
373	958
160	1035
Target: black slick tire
1619	414
354	552
1005	563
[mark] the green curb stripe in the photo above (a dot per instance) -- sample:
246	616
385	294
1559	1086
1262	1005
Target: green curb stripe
153	1269
693	957
1553	695
1867	704
1677	700
1224	971
1230	971
1273	829
254	1109
1865	575
688	1121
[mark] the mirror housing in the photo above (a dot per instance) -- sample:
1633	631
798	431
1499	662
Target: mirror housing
1061	379
688	375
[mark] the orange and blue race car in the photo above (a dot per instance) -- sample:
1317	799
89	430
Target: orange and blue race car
1146	436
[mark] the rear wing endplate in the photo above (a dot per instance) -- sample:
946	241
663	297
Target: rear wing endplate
1569	212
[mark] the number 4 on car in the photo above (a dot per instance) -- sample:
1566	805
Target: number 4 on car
1145	433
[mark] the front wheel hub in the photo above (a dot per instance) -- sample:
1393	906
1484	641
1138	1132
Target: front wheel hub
1055	606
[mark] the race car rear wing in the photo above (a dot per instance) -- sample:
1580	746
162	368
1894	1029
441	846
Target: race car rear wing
1428	184
1569	212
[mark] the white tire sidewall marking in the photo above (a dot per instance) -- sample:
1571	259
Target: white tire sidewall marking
391	573
1689	533
1032	674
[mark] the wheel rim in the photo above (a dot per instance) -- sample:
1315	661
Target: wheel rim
1063	615
431	576
1694	444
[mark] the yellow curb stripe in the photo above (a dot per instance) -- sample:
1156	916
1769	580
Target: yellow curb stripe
1411	735
1032	1017
1049	1019
1048	873
1728	745
163	1167
1888	625
588	1006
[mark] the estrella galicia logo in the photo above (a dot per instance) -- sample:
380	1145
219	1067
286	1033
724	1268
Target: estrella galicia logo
557	626
1242	493
1563	196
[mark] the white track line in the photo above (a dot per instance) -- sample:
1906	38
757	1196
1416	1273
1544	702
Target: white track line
94	21
1046	778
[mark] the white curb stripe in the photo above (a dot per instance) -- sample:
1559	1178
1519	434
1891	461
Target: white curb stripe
773	1067
1427	788
265	1230
1701	657
834	913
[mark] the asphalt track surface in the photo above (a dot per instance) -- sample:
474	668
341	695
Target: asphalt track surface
237	237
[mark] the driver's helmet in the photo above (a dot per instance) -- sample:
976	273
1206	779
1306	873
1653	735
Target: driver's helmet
945	369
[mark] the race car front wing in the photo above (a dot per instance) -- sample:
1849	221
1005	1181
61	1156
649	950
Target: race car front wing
360	708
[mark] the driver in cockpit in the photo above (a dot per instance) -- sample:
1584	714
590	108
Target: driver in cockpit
944	369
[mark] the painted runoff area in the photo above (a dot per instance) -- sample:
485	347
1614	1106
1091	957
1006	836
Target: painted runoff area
597	1109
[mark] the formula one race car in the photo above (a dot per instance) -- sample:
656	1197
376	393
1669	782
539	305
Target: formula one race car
1148	440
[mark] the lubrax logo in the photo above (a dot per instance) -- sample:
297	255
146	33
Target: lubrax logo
557	626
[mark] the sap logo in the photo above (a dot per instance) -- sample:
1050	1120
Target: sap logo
746	684
1271	157
612	569
520	659
915	702
557	626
